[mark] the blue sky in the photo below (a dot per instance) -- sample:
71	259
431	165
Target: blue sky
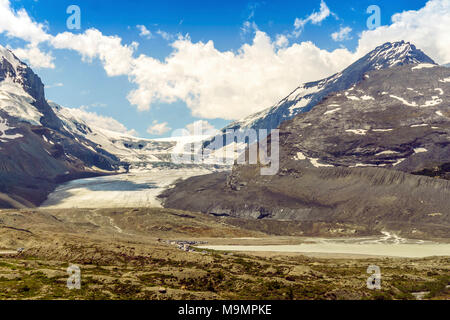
76	82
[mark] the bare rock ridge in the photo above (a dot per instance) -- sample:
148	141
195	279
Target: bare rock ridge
376	153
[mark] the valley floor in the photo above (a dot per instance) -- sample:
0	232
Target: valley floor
155	254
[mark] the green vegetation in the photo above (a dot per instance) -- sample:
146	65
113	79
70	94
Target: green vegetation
221	276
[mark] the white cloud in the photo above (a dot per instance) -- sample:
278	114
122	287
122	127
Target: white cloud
282	41
342	34
18	24
158	128
165	35
35	57
427	28
248	27
200	128
144	32
117	59
98	121
55	85
230	85
314	18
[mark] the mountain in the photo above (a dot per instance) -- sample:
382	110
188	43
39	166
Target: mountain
43	144
375	154
308	95
16	74
446	65
133	152
36	150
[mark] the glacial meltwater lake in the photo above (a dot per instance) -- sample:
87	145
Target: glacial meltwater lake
388	245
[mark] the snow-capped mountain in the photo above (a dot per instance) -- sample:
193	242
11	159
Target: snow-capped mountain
134	153
36	150
308	95
43	144
18	80
397	118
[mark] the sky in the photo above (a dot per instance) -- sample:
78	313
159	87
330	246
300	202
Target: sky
148	68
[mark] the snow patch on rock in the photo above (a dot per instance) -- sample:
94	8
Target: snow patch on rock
423	66
4	136
332	111
17	103
413	104
361	132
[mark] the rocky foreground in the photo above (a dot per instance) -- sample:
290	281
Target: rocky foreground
131	254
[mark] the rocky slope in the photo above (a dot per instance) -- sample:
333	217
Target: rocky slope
363	155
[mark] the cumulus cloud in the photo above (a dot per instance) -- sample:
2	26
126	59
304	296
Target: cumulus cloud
228	84
158	128
93	119
281	41
248	27
342	34
117	58
314	18
35	57
165	35
18	24
201	127
231	85
144	32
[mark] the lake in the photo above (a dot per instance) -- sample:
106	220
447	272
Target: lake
389	245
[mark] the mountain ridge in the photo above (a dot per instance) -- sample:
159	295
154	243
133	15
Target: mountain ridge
376	154
307	95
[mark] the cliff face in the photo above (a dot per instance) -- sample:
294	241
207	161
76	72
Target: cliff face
370	197
12	68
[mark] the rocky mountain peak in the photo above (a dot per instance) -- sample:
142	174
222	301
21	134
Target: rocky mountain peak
11	67
18	72
308	95
392	54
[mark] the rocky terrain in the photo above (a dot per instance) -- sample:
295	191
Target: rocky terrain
128	254
375	154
